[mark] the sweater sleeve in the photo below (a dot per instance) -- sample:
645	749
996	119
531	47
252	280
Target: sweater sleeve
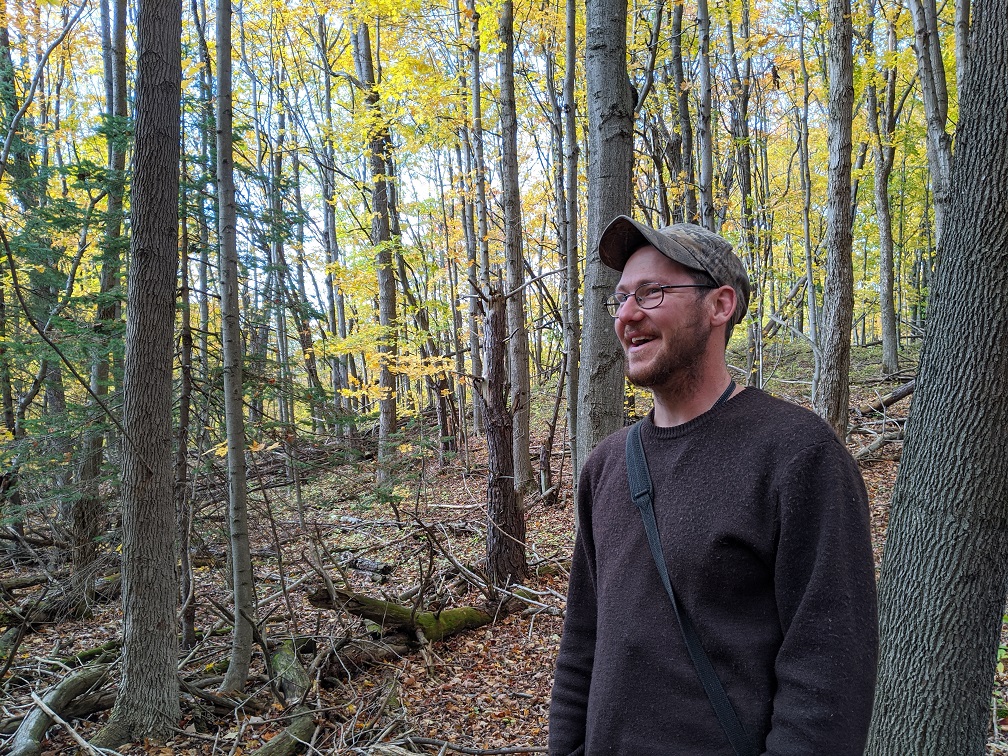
569	703
826	597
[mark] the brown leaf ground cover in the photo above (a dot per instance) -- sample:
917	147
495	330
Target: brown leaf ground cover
483	691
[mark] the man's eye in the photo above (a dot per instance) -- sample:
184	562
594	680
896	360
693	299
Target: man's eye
645	292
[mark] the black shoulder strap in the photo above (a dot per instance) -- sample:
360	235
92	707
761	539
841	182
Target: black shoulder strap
642	492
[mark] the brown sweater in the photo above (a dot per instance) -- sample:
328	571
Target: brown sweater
763	517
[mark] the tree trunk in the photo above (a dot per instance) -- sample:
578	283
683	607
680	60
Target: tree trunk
234	417
610	162
517	338
379	155
833	396
934	92
506	562
806	183
572	280
946	550
705	136
882	124
148	700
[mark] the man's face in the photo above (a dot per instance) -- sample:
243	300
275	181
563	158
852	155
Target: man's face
663	346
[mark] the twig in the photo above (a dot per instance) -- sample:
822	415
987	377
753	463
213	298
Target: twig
443	744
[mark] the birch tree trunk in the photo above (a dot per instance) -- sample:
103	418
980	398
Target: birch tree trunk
147	704
945	551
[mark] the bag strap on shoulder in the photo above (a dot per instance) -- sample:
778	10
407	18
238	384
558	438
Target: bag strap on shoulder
642	492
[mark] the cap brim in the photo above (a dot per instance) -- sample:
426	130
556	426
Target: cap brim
624	236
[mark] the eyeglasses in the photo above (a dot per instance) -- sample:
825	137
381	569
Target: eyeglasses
648	296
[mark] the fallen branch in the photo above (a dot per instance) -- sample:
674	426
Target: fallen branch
881	403
881	440
27	740
446	745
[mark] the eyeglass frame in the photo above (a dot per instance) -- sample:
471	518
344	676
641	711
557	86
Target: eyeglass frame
617	299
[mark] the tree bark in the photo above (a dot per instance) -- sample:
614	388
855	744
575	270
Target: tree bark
243	587
833	396
882	124
945	549
705	136
379	156
148	700
934	92
572	279
517	340
506	561
610	162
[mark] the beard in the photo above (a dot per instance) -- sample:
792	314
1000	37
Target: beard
676	368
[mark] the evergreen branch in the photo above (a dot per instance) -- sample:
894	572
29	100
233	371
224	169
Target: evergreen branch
41	331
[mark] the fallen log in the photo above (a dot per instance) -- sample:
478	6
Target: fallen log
881	403
27	740
435	625
19	583
294	684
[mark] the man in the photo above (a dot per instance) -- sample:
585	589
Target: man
763	519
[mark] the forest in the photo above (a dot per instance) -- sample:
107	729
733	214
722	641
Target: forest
302	344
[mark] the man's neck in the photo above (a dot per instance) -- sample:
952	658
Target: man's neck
684	403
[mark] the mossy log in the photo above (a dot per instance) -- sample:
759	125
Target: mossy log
435	625
27	740
294	684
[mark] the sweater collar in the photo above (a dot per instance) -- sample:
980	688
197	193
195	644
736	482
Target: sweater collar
700	421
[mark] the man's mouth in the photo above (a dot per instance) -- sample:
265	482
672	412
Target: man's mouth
638	341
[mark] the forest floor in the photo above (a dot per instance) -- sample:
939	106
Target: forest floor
481	691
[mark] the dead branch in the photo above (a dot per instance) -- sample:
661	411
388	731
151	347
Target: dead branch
27	740
446	745
881	403
881	440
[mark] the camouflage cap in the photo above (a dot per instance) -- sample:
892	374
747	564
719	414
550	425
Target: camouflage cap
688	244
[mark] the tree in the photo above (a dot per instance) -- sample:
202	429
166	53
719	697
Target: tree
243	586
882	116
382	208
517	340
934	93
611	101
705	136
147	704
945	567
506	562
833	395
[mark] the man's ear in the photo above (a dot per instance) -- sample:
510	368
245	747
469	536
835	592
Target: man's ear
723	300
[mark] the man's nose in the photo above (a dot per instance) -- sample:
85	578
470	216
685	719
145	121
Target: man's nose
629	311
